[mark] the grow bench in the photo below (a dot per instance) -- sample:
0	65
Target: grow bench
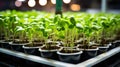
87	63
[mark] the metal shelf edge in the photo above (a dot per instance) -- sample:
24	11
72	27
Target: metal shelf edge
99	58
87	63
36	58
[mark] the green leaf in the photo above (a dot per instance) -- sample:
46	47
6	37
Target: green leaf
71	26
61	35
19	28
62	28
79	26
56	18
72	20
42	27
105	25
45	34
96	27
48	30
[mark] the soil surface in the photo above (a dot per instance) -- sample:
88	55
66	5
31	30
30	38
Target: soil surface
87	47
69	51
50	48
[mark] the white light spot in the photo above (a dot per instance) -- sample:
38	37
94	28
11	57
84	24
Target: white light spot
18	3
53	1
67	1
42	2
21	0
31	3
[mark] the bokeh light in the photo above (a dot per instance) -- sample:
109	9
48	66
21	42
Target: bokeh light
75	7
31	3
53	1
18	3
21	0
66	1
42	2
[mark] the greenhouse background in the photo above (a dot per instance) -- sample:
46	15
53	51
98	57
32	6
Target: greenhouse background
59	33
68	5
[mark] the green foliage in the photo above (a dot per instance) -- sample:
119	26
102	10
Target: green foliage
69	28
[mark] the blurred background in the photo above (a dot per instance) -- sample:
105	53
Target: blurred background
68	5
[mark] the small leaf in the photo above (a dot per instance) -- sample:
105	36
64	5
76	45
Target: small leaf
51	24
78	25
41	27
19	28
71	26
48	30
72	20
45	34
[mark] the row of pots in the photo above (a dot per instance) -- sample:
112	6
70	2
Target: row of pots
73	55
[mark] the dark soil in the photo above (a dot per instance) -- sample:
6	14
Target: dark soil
87	47
34	45
69	51
51	43
105	41
2	38
20	41
50	47
39	41
8	40
62	45
117	37
102	45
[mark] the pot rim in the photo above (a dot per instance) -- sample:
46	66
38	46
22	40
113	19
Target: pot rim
3	41
68	47
25	47
108	45
116	41
80	52
91	49
43	50
11	43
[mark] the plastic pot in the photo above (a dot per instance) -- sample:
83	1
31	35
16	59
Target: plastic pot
5	44
113	45
31	50
103	49
1	43
49	53
89	53
117	43
17	47
70	57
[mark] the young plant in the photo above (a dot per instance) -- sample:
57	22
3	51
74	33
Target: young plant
1	27
67	31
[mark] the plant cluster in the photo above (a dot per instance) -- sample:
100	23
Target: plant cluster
33	25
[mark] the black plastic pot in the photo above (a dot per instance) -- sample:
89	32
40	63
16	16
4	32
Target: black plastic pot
117	43
0	43
70	57
5	44
103	49
89	53
31	50
111	46
17	47
52	53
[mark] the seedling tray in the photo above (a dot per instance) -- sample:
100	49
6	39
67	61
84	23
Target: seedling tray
50	62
